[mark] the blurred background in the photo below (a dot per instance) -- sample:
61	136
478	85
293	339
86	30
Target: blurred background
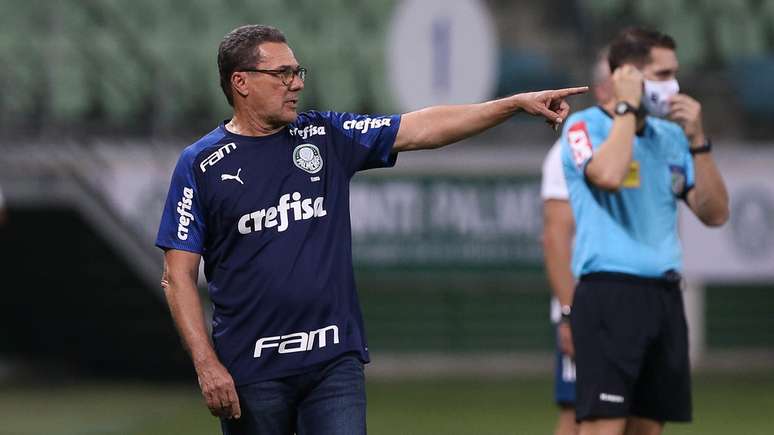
99	97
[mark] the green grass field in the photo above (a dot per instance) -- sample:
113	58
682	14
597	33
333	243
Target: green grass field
723	404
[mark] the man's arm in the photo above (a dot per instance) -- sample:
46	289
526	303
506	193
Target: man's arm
181	270
437	126
709	198
610	164
558	231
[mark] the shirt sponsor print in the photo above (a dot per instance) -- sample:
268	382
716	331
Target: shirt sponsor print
580	143
184	210
217	156
279	216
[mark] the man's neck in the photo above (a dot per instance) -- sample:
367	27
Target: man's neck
248	123
610	109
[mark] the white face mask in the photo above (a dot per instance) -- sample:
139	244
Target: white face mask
657	94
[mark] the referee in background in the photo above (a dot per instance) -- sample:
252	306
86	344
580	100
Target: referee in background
626	169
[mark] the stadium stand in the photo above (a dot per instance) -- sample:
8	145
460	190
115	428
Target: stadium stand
102	67
752	81
526	71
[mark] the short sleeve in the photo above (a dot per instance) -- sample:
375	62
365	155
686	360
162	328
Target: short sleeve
681	170
579	144
182	221
553	184
363	141
690	175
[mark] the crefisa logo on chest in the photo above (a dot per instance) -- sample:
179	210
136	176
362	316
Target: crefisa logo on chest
307	157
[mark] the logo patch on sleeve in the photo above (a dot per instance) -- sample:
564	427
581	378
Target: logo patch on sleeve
580	143
677	179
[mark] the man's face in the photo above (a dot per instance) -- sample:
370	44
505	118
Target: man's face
663	65
273	101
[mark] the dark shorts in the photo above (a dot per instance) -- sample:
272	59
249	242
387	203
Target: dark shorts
631	348
328	401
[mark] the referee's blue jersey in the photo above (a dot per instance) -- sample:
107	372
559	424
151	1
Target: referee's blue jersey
270	217
632	230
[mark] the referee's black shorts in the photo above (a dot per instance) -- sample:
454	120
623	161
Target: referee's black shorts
631	348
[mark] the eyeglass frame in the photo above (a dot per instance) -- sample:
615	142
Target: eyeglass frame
299	71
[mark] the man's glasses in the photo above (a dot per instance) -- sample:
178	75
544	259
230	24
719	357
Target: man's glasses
286	74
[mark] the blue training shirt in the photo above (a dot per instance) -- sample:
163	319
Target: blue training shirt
270	217
632	230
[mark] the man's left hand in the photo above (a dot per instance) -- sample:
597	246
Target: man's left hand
687	112
565	339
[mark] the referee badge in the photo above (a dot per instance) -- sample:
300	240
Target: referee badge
632	180
678	180
307	157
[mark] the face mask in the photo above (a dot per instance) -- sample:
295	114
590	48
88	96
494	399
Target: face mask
657	94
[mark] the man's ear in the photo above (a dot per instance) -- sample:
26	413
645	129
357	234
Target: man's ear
239	83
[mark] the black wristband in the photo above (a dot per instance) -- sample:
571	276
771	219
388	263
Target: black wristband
707	147
566	311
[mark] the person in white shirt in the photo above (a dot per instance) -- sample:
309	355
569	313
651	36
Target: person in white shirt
558	232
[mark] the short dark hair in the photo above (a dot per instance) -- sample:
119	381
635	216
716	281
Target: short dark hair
239	49
633	45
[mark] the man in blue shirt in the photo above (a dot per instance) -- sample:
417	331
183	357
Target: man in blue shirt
264	200
625	172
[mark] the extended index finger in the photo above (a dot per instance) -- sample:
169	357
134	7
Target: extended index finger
566	92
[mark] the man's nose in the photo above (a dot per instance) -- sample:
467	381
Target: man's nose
296	85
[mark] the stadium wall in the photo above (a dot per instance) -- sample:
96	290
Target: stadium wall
446	244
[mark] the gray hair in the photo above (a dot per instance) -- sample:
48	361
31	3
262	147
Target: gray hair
239	49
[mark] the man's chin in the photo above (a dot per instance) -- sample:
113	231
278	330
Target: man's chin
289	116
285	118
